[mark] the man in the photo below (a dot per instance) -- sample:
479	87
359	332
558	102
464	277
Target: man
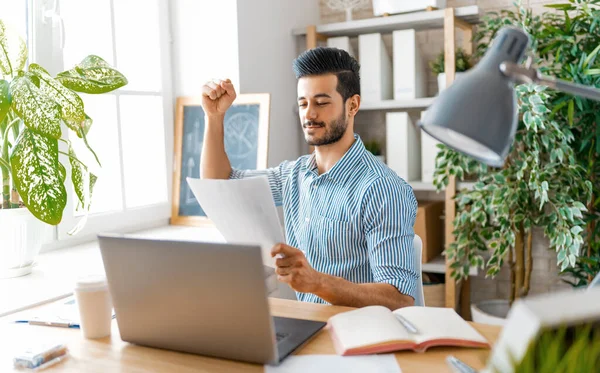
348	217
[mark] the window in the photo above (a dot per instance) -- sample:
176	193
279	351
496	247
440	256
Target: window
132	127
16	14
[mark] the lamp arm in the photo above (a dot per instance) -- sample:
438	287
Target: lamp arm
532	75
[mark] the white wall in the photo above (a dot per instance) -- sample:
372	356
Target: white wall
266	51
205	43
250	42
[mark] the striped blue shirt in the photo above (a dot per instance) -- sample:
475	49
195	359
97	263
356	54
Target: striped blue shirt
354	221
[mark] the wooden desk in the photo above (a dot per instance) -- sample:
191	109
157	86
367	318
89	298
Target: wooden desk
111	354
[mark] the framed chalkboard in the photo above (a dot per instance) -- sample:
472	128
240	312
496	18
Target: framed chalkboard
246	145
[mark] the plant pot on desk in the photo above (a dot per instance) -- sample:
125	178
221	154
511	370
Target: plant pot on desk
492	312
21	238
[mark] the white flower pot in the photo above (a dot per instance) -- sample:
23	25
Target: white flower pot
441	79
21	238
491	312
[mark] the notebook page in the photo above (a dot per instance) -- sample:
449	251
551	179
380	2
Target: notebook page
439	323
367	326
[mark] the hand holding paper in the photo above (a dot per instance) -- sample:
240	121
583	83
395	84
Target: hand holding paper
242	210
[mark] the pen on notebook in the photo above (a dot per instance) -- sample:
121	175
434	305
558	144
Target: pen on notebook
409	326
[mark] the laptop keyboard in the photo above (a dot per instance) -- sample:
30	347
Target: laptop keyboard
281	336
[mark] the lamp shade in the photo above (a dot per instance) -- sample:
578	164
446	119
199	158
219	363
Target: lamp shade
477	114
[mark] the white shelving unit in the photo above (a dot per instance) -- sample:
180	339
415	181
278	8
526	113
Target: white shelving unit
418	103
417	20
438	265
429	187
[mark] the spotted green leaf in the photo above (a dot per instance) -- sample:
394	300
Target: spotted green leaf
39	111
80	126
79	174
13	50
37	176
5	99
71	104
63	172
92	75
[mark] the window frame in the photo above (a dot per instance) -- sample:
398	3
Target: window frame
46	50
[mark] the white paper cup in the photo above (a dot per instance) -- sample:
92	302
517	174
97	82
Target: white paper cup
95	306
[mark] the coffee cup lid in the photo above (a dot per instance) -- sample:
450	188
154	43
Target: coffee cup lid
91	283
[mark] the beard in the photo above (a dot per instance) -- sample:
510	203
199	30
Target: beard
333	132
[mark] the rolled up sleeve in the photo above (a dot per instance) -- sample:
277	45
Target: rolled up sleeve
390	210
275	176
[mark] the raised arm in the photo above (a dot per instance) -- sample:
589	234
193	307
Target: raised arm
217	97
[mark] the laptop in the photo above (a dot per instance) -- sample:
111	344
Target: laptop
196	297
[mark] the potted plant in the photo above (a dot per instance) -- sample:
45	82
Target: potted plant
540	186
578	62
34	156
374	147
437	66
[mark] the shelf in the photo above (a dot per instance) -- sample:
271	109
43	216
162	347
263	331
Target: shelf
417	103
438	265
418	20
420	186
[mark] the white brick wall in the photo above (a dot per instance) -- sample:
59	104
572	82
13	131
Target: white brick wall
371	125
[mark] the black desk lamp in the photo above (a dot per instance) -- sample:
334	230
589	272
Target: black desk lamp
477	115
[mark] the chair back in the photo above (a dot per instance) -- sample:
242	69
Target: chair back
418	252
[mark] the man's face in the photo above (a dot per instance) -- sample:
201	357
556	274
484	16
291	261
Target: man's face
322	109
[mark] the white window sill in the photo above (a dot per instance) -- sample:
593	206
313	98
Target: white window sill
56	271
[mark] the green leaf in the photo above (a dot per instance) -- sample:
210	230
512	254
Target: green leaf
92	75
37	176
70	103
63	172
535	100
82	133
81	125
13	50
5	99
592	55
83	180
500	179
576	229
592	72
39	112
571	112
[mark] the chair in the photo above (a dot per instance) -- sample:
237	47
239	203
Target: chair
595	282
418	252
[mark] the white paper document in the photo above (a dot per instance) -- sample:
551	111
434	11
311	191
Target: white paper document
242	210
385	363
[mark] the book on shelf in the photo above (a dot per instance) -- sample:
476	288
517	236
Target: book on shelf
429	151
341	42
403	144
409	69
375	68
376	329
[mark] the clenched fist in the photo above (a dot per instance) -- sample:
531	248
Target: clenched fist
217	96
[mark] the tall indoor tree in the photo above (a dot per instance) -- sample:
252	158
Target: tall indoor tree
541	184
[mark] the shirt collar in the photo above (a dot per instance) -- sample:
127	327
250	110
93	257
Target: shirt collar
344	167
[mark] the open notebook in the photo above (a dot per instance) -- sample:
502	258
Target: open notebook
375	329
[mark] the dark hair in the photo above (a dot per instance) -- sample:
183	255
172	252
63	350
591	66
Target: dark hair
321	61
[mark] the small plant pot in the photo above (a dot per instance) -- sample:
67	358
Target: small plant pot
21	238
491	312
441	79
